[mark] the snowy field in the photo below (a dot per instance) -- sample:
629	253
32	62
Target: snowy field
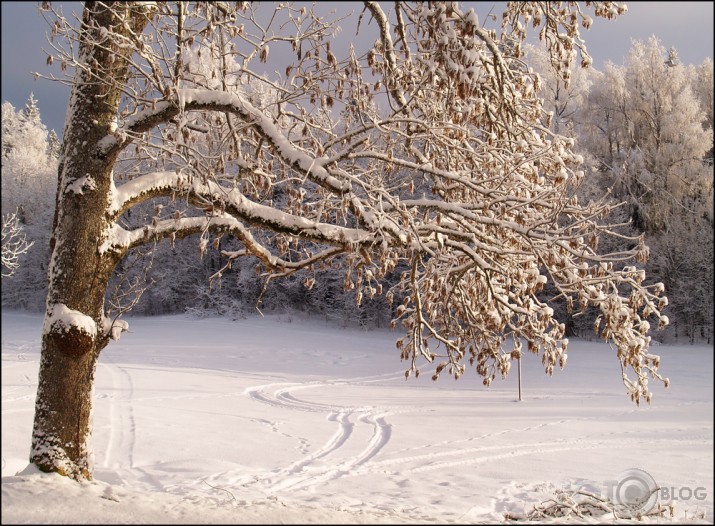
279	420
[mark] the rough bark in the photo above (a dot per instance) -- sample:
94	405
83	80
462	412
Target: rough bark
74	332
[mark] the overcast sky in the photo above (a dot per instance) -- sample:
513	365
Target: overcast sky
687	26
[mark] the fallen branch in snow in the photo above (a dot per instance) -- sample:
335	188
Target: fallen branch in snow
582	504
220	489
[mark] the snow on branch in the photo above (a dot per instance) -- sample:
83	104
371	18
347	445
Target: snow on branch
231	201
430	153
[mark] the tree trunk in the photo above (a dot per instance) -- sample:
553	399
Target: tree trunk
73	332
62	430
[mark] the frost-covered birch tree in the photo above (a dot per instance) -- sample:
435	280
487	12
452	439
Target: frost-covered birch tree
650	130
28	192
14	244
649	126
428	151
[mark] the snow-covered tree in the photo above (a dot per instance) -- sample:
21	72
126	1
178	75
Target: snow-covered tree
9	123
648	124
53	145
28	192
565	99
26	171
31	112
429	150
652	128
14	244
704	92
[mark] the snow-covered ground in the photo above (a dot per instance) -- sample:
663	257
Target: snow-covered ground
273	420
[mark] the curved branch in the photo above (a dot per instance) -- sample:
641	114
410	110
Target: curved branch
233	202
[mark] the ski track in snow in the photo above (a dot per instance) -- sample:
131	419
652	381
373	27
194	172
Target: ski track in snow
331	461
119	454
316	468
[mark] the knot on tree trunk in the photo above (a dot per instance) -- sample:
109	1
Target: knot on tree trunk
72	332
72	342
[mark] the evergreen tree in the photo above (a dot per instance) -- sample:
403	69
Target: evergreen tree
53	145
31	113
